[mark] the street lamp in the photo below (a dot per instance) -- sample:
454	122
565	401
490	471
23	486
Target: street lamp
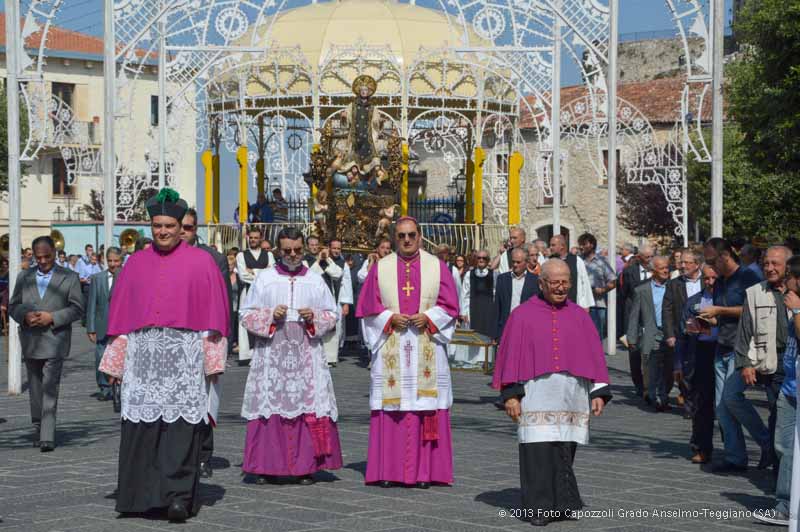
461	184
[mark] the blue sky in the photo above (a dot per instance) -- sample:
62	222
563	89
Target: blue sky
636	17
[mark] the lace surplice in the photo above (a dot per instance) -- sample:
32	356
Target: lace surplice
289	374
163	372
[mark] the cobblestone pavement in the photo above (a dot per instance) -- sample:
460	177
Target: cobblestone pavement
637	462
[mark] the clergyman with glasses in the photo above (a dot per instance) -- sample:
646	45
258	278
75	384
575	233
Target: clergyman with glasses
552	374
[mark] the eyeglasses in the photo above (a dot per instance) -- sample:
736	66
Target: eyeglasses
482	258
402	236
188	227
556	284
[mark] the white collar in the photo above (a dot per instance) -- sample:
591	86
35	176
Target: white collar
481	273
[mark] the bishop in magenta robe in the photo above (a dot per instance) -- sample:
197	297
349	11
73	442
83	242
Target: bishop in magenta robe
409	306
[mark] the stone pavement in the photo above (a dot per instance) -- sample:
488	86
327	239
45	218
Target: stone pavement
637	462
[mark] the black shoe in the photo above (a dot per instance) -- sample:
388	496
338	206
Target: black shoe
500	405
647	400
423	485
767	459
262	479
306	480
177	512
727	467
46	446
539	521
205	470
385	484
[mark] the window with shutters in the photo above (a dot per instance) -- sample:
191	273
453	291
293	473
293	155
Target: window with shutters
61	186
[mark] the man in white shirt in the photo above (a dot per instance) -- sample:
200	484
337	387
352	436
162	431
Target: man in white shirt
330	264
384	248
249	263
502	262
580	291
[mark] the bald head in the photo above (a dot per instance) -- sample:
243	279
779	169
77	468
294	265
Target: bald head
558	246
554	281
554	267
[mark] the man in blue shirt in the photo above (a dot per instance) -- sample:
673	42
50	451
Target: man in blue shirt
733	409
263	209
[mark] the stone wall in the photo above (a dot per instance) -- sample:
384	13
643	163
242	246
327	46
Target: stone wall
654	59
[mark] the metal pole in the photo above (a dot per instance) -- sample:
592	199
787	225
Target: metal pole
611	114
718	25
14	209
109	111
555	119
162	101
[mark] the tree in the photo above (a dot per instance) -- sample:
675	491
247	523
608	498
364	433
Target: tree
23	134
95	208
764	95
757	203
643	209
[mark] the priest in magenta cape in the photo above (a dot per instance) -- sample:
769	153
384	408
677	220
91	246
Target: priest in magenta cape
552	373
409	307
168	331
288	399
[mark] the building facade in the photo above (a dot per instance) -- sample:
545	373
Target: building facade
68	137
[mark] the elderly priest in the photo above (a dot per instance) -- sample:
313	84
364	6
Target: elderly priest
552	372
409	306
168	337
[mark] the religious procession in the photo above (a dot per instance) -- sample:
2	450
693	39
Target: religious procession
441	291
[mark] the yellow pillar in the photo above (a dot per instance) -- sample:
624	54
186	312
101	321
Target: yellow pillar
208	166
515	163
477	186
260	174
404	183
215	207
241	158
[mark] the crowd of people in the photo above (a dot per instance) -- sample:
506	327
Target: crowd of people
709	320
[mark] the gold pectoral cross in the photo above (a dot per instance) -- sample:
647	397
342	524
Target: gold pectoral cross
408	288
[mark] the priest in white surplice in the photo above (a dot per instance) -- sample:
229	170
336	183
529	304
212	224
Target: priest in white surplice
288	398
248	263
330	264
409	307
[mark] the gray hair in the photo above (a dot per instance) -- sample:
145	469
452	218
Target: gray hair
630	247
520	229
784	249
113	250
522	250
658	257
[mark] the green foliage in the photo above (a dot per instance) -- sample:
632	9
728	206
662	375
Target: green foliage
764	92
756	203
23	126
643	209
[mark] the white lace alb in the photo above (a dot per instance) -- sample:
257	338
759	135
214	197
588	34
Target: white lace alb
164	376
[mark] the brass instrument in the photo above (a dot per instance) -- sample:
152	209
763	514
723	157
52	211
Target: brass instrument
128	238
58	238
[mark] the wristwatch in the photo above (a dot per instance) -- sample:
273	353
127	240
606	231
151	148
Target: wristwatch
795	311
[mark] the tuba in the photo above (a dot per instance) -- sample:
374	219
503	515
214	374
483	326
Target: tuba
58	238
128	238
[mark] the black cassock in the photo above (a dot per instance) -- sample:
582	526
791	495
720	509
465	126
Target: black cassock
158	465
482	315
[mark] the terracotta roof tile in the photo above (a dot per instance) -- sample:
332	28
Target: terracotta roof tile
59	39
659	100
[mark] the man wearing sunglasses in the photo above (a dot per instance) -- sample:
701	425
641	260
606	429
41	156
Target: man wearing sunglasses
409	306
